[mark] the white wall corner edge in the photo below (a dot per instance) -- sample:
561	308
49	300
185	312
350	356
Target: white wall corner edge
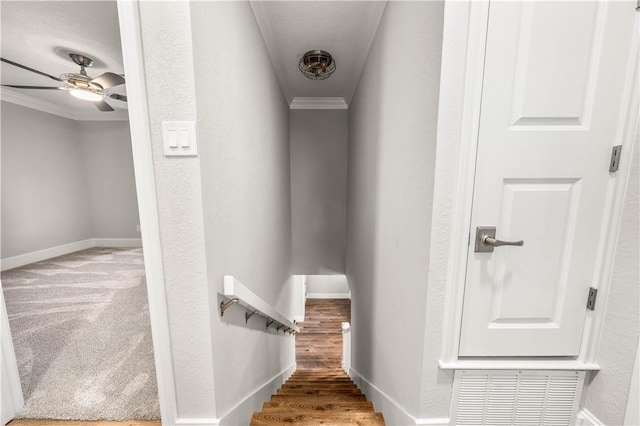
241	413
393	413
587	418
61	250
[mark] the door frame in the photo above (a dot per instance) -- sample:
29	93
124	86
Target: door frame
464	43
133	61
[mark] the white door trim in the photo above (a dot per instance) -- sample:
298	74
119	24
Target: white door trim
128	14
458	126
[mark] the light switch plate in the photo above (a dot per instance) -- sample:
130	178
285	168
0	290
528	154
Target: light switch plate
179	138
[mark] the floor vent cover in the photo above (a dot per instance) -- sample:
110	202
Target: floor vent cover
483	397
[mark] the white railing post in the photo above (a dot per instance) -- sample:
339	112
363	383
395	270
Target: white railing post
346	346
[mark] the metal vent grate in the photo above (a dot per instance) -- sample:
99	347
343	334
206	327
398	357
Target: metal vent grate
516	398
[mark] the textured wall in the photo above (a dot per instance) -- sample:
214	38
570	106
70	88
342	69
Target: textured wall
168	60
44	194
606	394
111	187
244	155
318	190
392	142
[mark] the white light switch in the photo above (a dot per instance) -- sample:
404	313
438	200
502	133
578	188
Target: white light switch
179	138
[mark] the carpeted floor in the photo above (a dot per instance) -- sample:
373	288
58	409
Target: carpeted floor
80	327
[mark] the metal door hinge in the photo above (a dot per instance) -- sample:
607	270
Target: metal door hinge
591	300
615	158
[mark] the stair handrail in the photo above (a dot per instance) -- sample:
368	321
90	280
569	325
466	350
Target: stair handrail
236	292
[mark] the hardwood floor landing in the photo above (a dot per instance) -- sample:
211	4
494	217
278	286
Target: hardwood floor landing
319	343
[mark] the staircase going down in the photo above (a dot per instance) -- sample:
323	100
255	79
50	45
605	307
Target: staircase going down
318	398
319	392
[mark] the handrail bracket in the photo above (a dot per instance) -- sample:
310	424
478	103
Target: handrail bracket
224	306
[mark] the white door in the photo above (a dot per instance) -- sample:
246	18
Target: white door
553	90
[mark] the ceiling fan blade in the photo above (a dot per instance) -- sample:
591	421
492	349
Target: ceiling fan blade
103	106
15	64
118	97
32	87
108	79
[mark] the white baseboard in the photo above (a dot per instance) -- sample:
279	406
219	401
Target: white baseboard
197	422
241	413
328	296
117	242
48	253
586	418
393	413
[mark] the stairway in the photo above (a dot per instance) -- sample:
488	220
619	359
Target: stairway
312	397
319	392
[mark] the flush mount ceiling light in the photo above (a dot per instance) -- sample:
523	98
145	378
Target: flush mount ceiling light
317	65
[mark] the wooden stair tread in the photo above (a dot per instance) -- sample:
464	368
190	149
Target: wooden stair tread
318	398
343	419
310	405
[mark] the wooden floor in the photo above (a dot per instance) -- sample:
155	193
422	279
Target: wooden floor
319	392
32	422
319	343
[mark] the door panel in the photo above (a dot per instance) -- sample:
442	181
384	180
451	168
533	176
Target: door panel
551	105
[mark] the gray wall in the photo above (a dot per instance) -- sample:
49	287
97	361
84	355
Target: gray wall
166	33
392	145
108	163
44	193
64	181
606	394
244	156
318	190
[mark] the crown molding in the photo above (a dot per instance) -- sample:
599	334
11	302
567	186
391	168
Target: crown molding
318	103
48	107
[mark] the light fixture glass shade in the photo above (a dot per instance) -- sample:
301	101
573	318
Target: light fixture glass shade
85	94
317	65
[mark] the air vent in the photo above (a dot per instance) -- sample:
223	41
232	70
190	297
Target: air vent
516	397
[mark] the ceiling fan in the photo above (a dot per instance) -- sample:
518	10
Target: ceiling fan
80	84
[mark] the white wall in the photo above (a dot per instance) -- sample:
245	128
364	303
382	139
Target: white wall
108	163
318	190
168	62
392	141
606	394
44	194
246	192
64	181
327	287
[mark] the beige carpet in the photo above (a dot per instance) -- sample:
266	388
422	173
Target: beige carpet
80	327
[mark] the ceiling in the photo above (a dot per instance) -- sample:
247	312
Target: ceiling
343	28
41	34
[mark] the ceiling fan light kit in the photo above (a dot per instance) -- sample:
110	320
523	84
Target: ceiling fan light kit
317	65
85	94
80	85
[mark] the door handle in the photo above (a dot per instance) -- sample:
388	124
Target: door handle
486	240
498	243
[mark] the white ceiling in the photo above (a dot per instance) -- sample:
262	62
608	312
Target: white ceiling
343	28
41	34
